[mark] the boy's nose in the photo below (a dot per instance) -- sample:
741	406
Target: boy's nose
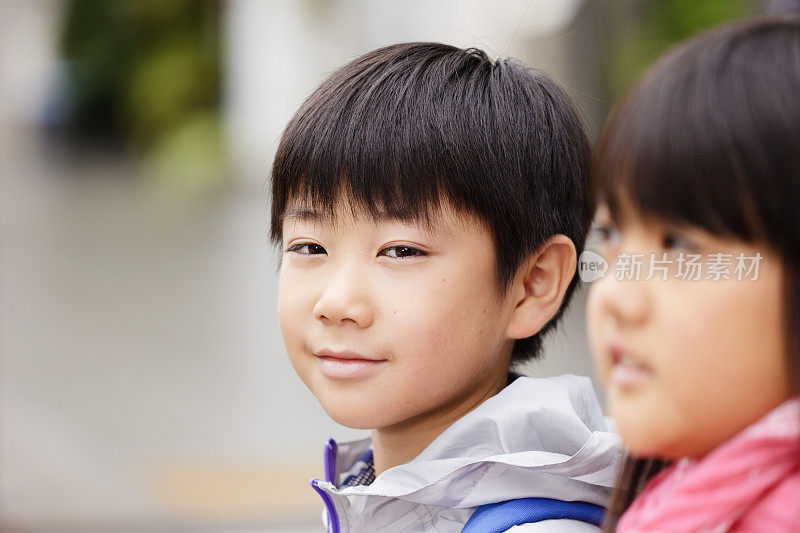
345	299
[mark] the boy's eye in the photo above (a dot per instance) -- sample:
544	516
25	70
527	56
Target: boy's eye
399	252
307	248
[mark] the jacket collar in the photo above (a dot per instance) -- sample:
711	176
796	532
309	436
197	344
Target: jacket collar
538	437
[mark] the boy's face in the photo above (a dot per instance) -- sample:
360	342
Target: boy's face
687	363
389	321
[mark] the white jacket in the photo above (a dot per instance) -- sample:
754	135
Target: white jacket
536	438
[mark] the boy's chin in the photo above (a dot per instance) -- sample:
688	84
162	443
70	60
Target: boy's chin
362	416
355	419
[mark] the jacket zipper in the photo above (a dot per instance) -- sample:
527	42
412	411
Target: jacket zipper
330	508
330	477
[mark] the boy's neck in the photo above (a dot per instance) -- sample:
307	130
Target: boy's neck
398	444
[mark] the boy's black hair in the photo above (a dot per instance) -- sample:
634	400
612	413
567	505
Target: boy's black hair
710	137
403	127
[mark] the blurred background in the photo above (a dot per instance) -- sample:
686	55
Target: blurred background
143	383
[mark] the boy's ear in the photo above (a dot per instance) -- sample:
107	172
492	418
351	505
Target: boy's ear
539	286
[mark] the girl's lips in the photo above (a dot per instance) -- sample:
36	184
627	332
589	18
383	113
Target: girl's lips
347	365
626	377
627	371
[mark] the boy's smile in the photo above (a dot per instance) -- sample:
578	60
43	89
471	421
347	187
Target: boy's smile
346	364
390	322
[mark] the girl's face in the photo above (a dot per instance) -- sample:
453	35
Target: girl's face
686	363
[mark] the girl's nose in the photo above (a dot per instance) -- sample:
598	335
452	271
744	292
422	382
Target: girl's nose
626	301
345	299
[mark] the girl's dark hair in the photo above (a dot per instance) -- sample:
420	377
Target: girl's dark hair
710	137
403	127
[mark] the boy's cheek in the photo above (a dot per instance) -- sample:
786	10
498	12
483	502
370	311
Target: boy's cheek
291	326
294	292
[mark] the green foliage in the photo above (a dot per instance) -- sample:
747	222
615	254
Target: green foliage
138	67
662	24
144	73
189	161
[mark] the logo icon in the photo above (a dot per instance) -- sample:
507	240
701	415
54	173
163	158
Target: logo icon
591	266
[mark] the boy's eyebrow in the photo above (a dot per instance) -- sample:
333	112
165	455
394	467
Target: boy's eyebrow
310	214
301	213
305	213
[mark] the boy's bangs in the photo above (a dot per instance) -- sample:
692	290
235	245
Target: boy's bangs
367	168
425	123
394	150
308	196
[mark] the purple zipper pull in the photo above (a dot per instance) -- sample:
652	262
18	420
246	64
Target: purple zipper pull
330	461
330	508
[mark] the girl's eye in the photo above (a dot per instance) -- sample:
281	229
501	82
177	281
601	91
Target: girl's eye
308	248
399	252
674	240
607	233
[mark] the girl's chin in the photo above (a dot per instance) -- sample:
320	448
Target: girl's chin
650	446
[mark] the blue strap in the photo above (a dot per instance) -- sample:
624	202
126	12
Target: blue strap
501	516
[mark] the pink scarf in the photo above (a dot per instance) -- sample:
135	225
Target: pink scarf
750	483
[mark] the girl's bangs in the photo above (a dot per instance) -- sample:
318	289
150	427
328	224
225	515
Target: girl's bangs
690	145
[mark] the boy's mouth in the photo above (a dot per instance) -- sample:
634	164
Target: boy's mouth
346	364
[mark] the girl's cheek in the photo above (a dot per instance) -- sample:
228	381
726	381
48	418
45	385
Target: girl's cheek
594	319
